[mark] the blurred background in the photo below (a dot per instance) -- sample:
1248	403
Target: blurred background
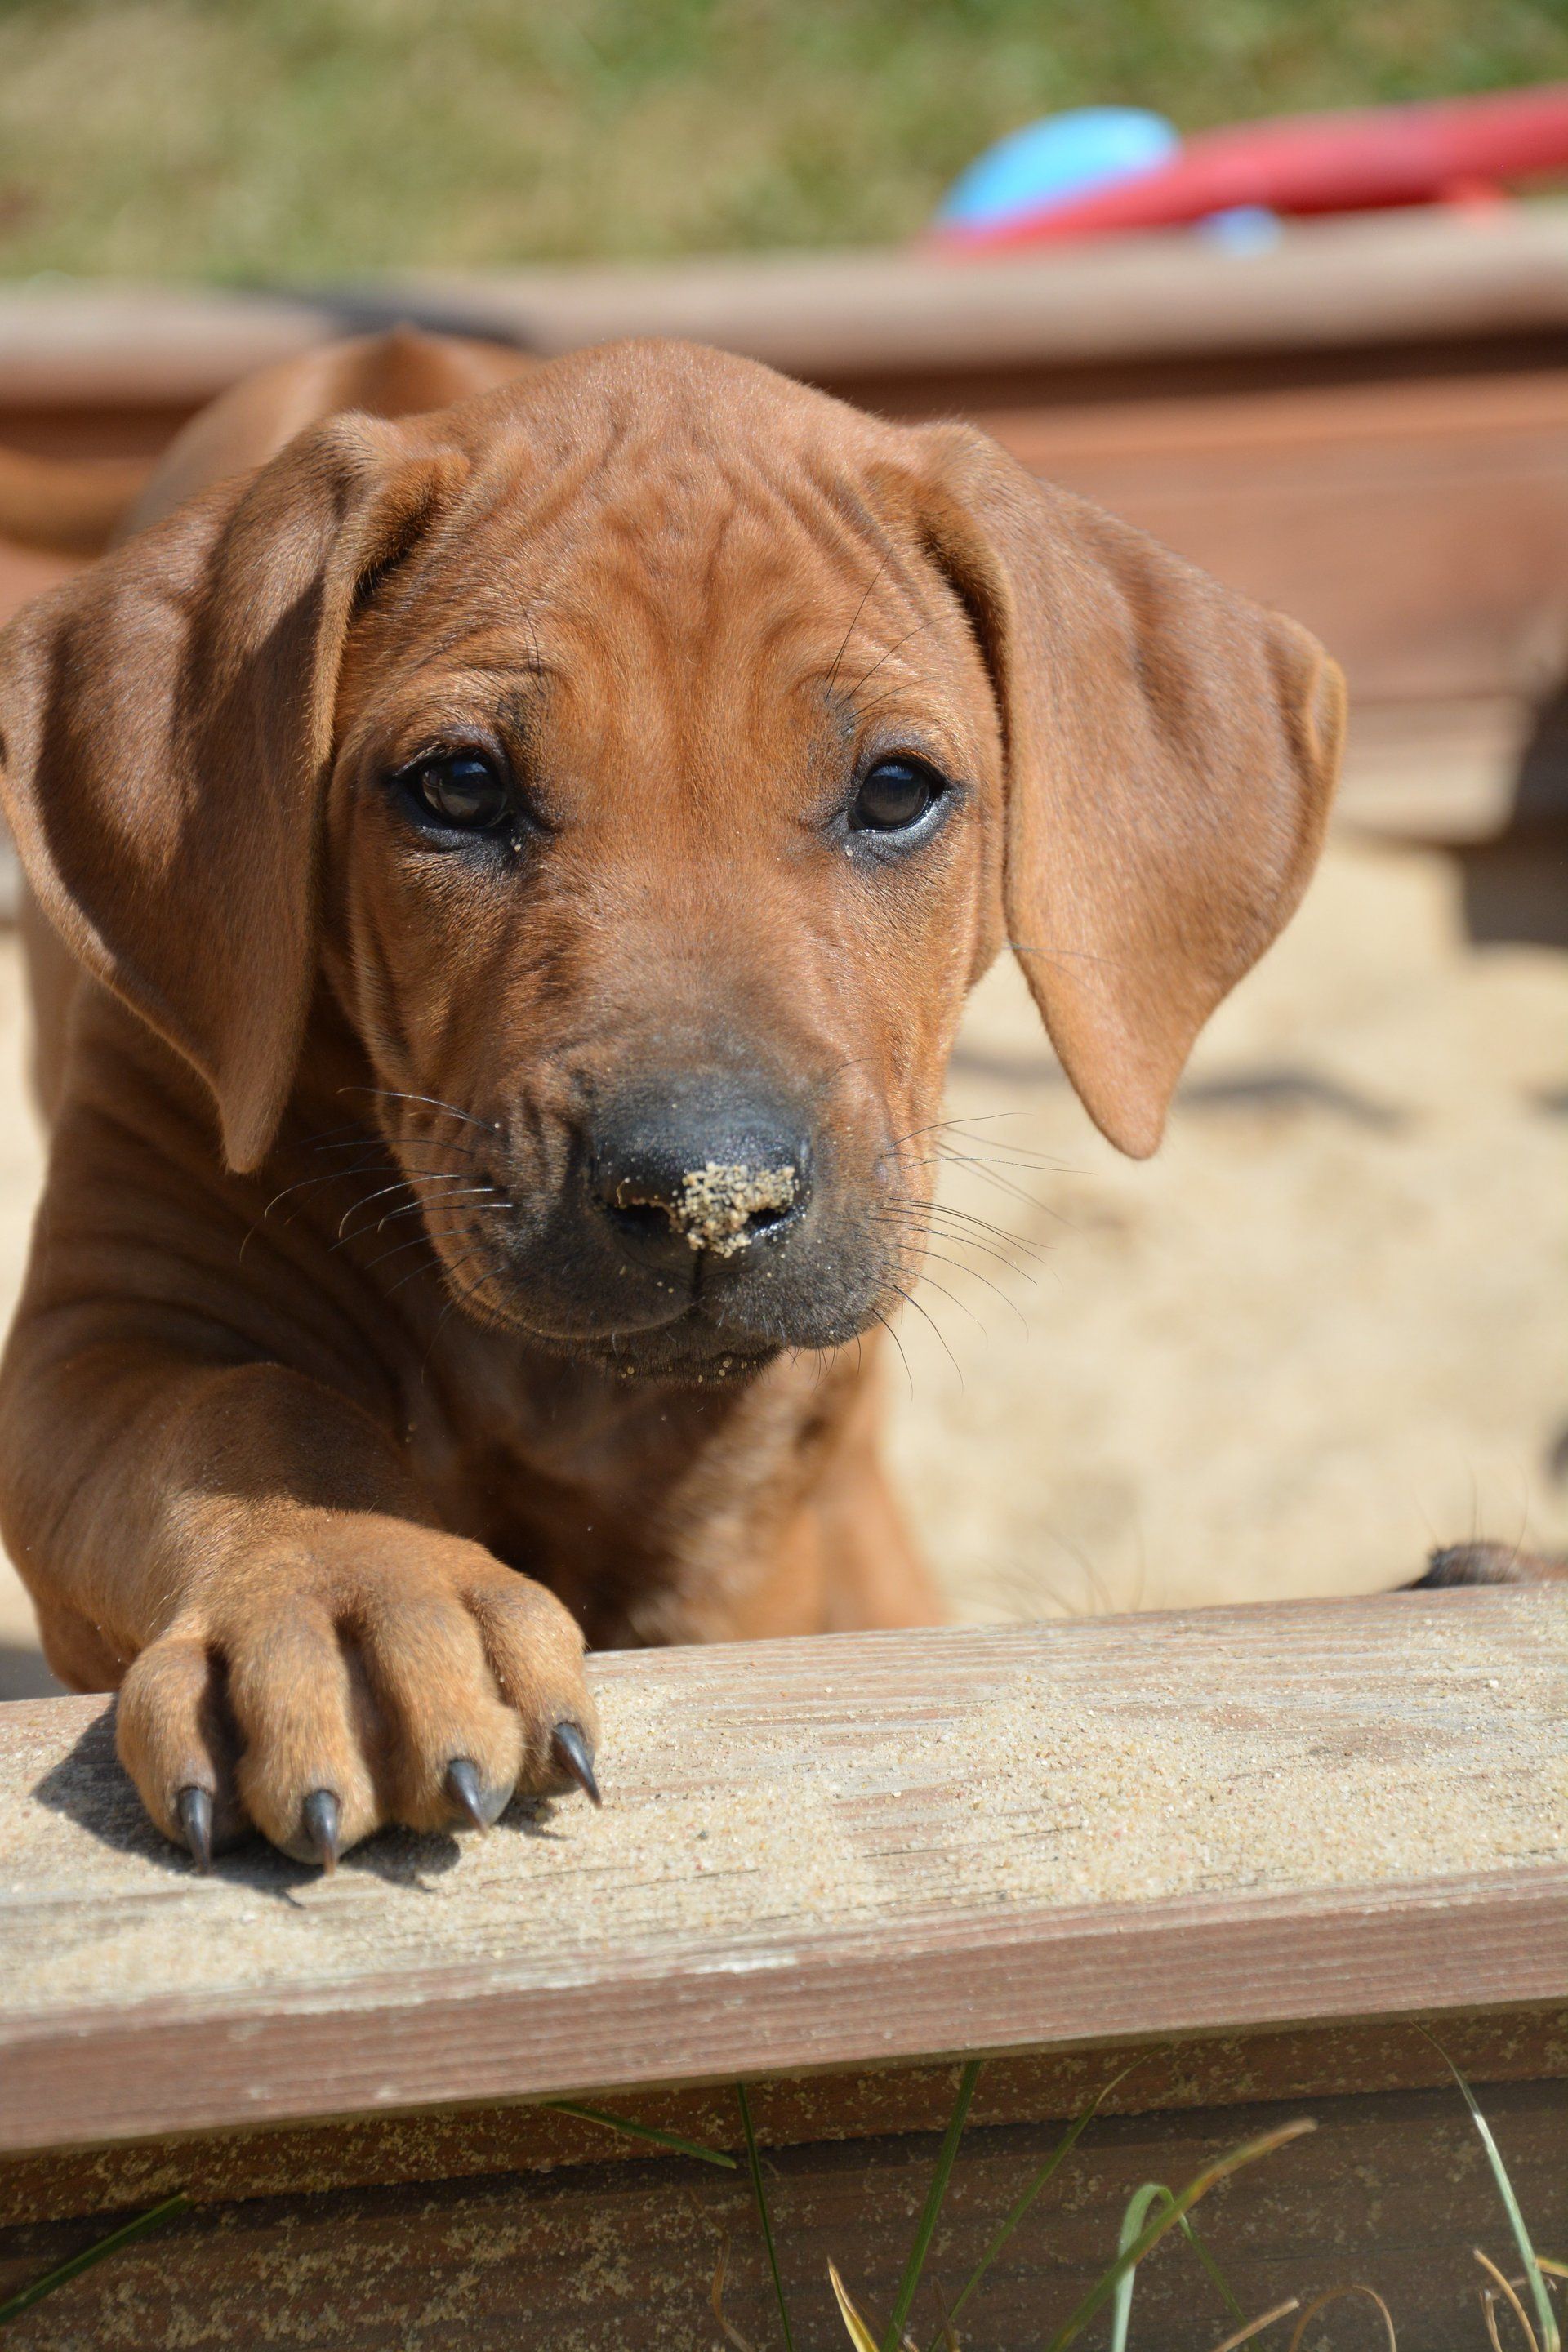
268	141
1325	1329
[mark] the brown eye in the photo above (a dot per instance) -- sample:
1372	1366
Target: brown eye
461	790
894	796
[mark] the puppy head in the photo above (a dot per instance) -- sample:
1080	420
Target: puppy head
647	758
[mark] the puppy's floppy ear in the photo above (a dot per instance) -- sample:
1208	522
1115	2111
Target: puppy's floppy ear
166	724
1172	751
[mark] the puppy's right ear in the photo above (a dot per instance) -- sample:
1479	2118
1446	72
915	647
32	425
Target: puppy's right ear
166	738
1171	751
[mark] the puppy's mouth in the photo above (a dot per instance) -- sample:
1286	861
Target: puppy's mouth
685	1349
685	1345
689	1336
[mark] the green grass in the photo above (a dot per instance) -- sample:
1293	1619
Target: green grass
308	140
1152	2213
128	2232
1138	2237
649	2132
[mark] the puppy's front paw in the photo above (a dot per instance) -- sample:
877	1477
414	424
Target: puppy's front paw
1488	1563
362	1673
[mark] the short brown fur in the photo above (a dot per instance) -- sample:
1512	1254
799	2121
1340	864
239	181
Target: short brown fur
334	1499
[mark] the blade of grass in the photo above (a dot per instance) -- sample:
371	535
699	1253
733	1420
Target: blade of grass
1256	2326
1551	2340
1053	2163
1221	2285
17	2303
946	2157
733	2336
1515	2305
1132	2221
1250	2152
860	2334
671	2141
754	2164
948	2340
1338	2295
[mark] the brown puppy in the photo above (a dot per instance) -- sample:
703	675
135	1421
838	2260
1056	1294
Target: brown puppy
528	861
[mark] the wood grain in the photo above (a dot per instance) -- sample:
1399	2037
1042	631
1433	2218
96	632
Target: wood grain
1166	2077
1390	2189
1398	278
831	1854
1421	531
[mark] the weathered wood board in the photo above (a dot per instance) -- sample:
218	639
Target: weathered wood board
822	1853
865	324
1245	1846
1422	528
1391	2191
1366	425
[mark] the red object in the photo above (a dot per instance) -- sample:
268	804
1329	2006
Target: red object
1358	161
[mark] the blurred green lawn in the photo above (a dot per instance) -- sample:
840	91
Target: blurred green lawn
306	140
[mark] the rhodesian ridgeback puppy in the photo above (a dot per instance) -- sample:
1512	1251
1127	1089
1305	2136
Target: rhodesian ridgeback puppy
522	865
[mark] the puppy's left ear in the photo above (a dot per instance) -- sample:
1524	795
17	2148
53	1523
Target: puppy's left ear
1172	753
167	721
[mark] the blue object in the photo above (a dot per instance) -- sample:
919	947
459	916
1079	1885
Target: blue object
1243	229
1062	155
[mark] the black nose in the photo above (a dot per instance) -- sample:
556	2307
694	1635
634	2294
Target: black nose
699	1170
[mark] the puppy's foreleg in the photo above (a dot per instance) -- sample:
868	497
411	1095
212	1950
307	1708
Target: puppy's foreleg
299	1646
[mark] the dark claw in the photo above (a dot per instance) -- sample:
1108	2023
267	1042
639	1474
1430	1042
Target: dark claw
463	1787
320	1820
194	1809
570	1750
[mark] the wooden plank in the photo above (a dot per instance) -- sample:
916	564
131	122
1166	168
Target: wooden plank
1446	772
1166	2077
121	345
1398	277
1455	414
832	1854
1390	2191
1421	531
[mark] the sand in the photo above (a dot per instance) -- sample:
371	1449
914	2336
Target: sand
1323	1330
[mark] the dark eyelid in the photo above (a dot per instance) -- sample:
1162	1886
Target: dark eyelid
463	746
883	745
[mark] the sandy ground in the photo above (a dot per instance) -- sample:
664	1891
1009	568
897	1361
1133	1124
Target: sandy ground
1323	1330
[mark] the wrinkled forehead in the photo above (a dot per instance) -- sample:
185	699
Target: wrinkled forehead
716	548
